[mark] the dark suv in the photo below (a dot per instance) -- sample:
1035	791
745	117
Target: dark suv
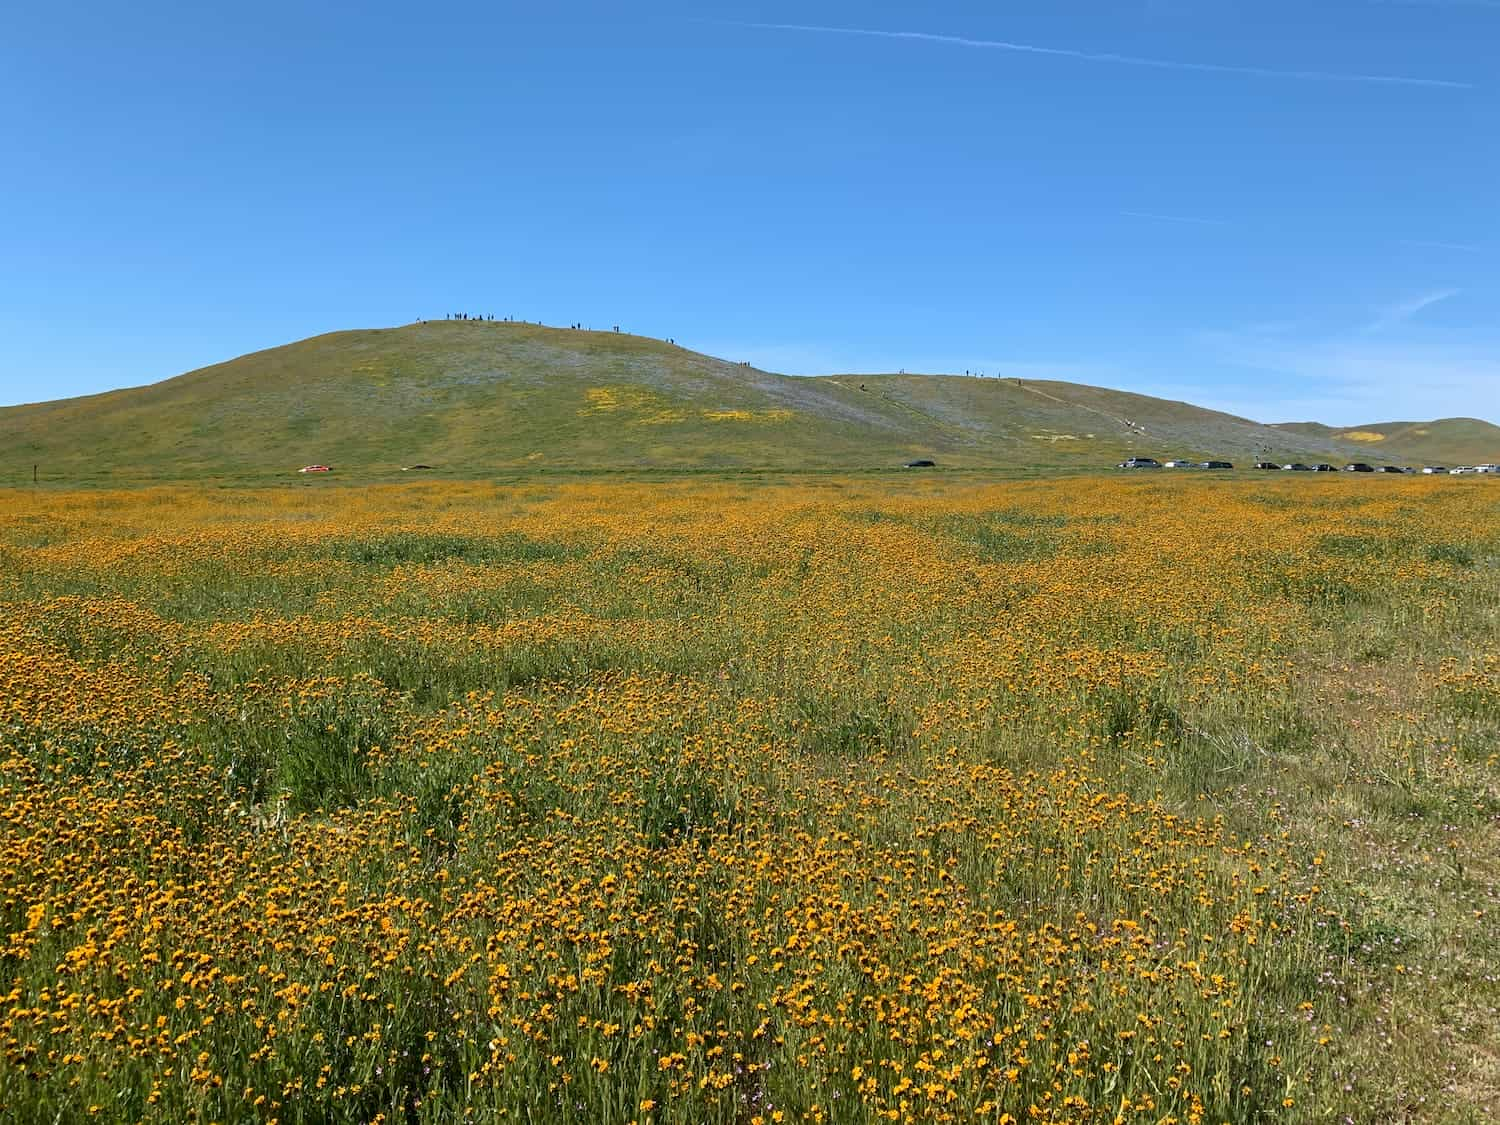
1216	465
1359	467
1140	463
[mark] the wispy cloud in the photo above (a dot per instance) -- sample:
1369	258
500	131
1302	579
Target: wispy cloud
1349	379
1461	247
1402	311
1108	57
1159	217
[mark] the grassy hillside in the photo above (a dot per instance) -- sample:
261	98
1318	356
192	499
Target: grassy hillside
1447	441
474	398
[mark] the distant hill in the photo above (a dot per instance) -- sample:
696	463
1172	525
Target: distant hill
473	398
1446	441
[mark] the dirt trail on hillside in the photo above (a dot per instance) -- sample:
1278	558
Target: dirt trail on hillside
1126	422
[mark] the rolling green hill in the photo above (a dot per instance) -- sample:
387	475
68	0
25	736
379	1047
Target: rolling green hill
475	398
1446	441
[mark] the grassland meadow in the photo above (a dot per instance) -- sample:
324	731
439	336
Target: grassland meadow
750	800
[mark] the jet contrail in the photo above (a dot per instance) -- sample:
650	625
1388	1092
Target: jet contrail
1464	247
1106	57
1440	3
1165	218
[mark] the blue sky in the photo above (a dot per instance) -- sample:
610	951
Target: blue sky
1284	209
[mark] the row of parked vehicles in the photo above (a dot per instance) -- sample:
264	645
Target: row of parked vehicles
1298	467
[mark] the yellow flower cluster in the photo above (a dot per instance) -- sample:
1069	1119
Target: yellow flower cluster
849	801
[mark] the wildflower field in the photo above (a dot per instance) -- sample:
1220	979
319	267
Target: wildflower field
751	801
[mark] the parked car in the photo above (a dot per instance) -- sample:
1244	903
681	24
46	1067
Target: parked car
1487	468
1267	465
920	463
1215	465
1359	467
1391	469
1296	467
1140	463
1322	467
1431	469
1462	470
1180	464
